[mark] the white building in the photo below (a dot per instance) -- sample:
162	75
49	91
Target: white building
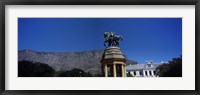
143	70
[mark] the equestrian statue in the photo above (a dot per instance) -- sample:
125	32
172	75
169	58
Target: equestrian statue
112	39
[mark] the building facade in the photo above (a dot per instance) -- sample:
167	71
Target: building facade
143	70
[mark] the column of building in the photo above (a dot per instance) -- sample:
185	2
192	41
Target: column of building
144	74
106	70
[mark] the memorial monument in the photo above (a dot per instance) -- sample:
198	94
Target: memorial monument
113	61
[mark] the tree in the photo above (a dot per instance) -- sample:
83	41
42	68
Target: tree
31	69
75	73
129	75
171	69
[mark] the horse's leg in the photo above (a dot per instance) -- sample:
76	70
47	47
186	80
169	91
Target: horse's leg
114	43
109	43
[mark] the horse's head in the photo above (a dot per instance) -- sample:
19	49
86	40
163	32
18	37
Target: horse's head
119	37
106	34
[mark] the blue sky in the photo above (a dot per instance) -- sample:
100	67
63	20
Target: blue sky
156	39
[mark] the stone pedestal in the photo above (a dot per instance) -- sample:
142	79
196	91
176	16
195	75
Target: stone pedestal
113	62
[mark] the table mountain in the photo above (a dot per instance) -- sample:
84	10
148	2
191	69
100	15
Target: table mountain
89	61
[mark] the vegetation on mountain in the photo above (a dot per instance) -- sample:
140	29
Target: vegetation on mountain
34	69
75	73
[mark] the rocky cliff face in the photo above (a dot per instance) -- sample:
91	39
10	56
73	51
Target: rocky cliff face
89	61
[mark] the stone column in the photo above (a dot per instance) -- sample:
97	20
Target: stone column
144	73
148	73
122	68
132	73
106	70
152	72
114	70
125	71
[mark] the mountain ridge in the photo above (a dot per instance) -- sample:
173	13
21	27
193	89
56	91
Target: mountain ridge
88	60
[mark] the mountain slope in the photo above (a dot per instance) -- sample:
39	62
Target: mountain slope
89	61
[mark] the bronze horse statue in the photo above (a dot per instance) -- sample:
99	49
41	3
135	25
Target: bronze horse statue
112	39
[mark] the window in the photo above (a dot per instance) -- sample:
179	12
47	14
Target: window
154	72
146	73
134	72
150	73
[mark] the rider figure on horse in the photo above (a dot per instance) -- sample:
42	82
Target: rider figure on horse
111	39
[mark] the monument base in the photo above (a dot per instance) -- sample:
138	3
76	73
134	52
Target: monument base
113	62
